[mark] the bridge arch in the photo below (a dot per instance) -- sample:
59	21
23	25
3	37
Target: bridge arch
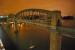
32	14
38	15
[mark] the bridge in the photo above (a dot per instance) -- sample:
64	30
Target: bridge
50	20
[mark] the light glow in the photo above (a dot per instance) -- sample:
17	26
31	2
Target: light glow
1	45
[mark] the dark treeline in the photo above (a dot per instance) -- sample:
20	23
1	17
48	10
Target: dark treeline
68	17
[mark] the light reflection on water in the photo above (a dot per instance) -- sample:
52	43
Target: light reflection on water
28	32
39	35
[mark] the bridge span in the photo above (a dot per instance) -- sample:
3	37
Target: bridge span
30	27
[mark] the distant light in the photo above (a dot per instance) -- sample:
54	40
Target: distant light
3	16
31	46
12	22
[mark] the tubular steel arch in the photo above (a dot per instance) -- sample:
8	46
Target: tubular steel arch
31	12
37	14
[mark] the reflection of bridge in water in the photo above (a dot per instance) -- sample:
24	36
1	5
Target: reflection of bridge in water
38	28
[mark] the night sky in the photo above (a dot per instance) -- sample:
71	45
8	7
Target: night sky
67	7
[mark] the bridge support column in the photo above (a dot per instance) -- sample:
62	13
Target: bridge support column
55	37
55	43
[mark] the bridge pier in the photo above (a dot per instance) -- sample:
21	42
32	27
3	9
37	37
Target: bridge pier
55	35
55	41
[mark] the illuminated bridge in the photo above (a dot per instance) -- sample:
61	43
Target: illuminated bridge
36	29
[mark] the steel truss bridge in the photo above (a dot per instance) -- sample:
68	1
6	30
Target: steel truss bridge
43	18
